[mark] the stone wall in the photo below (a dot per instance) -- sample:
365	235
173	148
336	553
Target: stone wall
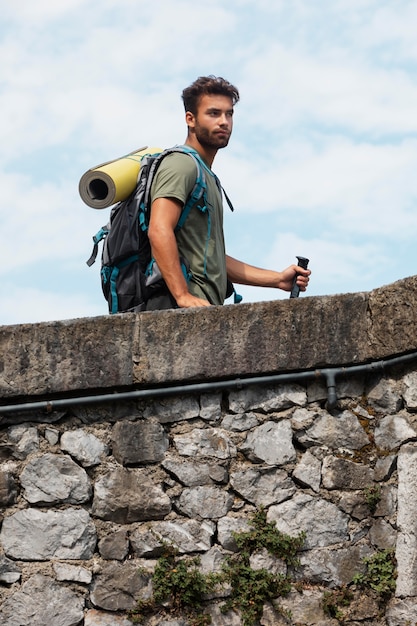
121	435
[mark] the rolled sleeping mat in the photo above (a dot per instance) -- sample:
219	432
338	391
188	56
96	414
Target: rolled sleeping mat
110	182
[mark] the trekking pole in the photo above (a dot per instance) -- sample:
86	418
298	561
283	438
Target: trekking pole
295	291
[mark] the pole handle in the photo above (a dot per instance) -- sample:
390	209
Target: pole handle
302	262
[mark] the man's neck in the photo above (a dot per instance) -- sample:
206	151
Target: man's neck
206	154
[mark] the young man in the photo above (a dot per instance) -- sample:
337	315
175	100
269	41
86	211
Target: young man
209	104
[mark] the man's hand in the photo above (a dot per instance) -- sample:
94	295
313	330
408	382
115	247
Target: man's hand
188	301
288	275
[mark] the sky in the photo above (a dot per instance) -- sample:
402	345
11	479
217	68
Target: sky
322	162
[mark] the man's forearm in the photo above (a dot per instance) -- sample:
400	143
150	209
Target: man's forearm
165	253
246	274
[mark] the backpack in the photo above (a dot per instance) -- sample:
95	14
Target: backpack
129	275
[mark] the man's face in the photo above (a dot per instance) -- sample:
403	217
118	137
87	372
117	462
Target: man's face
213	121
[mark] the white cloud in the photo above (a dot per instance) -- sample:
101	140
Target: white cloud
356	187
325	133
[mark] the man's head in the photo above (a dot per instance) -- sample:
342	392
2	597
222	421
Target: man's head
208	104
208	85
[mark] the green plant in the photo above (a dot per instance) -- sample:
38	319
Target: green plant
380	573
179	586
250	588
372	497
333	601
264	534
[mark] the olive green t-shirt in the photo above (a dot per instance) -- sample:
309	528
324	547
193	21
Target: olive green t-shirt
201	239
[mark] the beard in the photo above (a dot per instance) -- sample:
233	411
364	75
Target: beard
211	139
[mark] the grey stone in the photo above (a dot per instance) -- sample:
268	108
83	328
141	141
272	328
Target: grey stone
8	489
305	608
384	395
262	559
25	439
323	522
9	572
239	422
42	601
303	418
140	442
173	409
127	495
394	430
52	436
93	617
387	506
211	406
53	478
402	612
384	467
331	568
205	442
343	474
354	504
270	443
345	431
186	535
351	387
84	446
226	527
382	535
212	560
308	472
316	391
267	399
407	522
410	391
119	586
264	486
204	502
75	573
114	546
32	535
194	473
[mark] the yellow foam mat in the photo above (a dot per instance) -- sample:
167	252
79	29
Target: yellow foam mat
110	182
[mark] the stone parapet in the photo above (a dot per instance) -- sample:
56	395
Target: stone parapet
164	347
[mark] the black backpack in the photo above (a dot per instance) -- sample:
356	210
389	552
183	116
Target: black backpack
129	277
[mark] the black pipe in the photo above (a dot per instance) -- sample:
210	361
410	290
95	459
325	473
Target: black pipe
329	374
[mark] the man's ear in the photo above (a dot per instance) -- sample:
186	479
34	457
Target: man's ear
190	119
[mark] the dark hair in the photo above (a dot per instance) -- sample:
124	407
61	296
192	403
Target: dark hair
208	85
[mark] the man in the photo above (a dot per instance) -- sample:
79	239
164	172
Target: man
209	105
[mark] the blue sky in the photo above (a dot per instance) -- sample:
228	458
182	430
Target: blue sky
322	162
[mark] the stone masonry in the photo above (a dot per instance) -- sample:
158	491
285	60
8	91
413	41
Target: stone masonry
91	491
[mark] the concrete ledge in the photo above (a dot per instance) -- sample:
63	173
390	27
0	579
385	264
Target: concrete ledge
218	342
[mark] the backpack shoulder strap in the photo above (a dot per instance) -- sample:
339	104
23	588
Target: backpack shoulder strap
198	191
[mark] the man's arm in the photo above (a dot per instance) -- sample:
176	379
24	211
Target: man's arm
244	274
165	213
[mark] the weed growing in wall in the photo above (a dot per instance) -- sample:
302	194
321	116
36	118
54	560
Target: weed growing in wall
179	587
334	601
379	577
252	588
372	496
380	574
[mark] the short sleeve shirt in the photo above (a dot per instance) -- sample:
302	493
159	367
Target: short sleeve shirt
201	239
